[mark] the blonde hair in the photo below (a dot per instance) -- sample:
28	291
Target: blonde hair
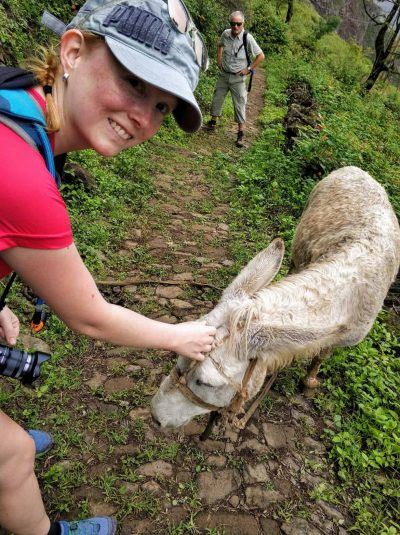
46	67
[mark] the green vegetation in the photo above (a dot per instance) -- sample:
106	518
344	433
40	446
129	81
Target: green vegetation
270	187
362	383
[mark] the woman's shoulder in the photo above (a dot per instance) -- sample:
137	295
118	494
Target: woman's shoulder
19	159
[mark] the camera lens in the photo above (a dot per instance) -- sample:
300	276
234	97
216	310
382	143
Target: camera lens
20	364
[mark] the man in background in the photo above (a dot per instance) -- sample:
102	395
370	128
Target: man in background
238	55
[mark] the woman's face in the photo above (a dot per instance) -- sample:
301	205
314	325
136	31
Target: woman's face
108	109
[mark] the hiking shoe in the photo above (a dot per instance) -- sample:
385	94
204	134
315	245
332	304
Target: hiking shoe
43	441
210	126
239	140
98	525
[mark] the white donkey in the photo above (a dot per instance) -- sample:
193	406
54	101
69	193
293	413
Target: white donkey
346	253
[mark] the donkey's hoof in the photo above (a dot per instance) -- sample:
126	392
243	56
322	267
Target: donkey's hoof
311	382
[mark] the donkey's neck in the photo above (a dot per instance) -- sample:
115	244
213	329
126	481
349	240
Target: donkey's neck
324	293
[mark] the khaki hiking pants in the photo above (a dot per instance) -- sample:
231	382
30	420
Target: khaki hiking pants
237	86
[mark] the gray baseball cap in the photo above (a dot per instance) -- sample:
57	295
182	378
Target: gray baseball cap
143	38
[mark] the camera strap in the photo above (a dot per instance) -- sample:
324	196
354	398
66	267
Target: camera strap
6	290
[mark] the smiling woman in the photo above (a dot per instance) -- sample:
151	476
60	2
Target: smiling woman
122	67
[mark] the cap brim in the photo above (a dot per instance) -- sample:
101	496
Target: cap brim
187	113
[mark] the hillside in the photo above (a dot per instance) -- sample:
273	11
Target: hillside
175	220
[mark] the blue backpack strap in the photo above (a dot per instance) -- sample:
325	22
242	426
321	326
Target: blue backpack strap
20	112
17	107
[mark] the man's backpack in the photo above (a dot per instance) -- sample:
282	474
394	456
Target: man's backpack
248	60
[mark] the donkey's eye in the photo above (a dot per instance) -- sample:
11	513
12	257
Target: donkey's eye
200	383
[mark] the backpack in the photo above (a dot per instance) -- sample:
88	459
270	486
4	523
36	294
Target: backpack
248	60
20	113
244	44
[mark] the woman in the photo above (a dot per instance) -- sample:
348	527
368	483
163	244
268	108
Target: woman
121	69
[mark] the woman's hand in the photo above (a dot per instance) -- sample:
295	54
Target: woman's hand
9	326
193	339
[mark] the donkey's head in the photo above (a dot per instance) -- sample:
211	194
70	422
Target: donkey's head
216	379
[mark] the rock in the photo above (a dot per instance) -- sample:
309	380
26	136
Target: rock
211	445
313	445
130	488
193	428
269	526
230	448
299	526
181	305
115	362
302	417
215	486
253	445
183	477
231	435
169	292
97	380
138	527
156	468
283	486
144	363
176	515
126	449
229	523
130	289
300	401
183	276
234	501
253	429
278	436
256	473
102	508
32	343
157	243
331	512
259	497
219	461
140	412
167	318
311	480
171	209
153	488
132	368
118	384
223	226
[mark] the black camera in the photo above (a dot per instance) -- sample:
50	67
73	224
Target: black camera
20	364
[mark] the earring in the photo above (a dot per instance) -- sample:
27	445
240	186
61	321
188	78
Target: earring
65	77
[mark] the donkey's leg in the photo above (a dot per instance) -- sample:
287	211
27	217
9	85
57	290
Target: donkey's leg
311	381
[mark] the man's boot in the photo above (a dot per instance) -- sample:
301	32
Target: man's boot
210	126
239	140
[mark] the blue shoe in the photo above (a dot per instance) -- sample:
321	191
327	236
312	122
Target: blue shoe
99	525
43	441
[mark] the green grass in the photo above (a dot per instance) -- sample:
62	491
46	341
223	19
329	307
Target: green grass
267	190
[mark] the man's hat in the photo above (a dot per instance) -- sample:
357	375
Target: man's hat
145	40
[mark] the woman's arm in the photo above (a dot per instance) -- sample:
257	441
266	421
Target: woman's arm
60	278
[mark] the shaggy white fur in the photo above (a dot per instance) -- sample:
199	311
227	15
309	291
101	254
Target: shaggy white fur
346	253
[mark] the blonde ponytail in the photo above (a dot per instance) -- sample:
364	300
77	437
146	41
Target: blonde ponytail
46	68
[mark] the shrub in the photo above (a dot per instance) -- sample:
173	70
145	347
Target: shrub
268	28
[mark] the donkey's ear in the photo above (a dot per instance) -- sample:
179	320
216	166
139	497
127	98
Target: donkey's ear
259	272
263	336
